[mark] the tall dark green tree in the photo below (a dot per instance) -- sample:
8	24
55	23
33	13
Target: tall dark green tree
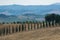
52	17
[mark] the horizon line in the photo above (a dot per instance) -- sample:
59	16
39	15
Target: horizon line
29	4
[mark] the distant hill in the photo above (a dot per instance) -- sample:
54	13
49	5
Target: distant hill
35	9
8	18
10	13
20	18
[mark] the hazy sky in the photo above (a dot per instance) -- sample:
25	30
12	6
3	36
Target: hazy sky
28	2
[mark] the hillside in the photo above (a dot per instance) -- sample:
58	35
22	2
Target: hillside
34	9
21	18
13	13
41	34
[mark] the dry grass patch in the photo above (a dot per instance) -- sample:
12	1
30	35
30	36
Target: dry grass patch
41	34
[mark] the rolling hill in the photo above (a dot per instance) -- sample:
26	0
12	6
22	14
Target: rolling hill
35	9
10	13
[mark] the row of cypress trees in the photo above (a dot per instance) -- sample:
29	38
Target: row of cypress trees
45	24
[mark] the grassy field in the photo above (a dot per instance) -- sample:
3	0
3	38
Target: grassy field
40	34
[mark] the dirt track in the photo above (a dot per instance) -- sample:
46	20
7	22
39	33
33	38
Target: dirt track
41	34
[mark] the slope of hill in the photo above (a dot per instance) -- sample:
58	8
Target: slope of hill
36	9
24	13
41	34
20	18
8	18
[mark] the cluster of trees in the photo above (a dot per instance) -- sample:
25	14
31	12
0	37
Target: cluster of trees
52	17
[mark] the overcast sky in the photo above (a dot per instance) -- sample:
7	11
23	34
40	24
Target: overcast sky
28	2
